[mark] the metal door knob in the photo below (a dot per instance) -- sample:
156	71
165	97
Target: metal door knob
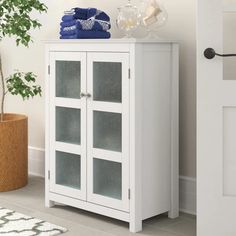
87	95
82	95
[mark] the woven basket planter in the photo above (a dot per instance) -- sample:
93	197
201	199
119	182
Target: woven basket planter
13	152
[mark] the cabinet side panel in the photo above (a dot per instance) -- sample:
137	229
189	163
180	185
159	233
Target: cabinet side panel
136	101
156	186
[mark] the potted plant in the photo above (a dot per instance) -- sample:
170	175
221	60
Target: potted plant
16	21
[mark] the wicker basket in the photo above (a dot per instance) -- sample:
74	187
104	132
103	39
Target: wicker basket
13	152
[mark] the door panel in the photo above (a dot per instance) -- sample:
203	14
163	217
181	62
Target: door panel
68	124
108	129
216	126
229	151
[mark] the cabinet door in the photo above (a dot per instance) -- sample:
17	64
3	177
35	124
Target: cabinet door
108	129
68	124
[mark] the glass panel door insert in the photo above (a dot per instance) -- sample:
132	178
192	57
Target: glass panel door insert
107	81
68	79
107	178
107	131
68	170
68	125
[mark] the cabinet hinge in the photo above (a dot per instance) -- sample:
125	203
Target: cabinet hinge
129	73
129	193
49	174
49	69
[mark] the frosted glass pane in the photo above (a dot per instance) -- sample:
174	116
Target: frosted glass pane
229	36
68	170
107	81
107	131
68	125
107	178
68	79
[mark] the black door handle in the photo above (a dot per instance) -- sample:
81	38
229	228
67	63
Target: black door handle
210	53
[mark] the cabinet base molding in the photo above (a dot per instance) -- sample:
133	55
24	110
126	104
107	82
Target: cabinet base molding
87	206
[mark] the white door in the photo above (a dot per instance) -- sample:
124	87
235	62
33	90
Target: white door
68	124
216	119
108	129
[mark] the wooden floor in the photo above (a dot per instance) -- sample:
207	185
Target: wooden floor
30	201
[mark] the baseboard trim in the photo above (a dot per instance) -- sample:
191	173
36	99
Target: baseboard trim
187	184
36	161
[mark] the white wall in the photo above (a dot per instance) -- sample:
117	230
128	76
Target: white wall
181	26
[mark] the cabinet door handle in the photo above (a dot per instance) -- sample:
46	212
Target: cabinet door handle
210	53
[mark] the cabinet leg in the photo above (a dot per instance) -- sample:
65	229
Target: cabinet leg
135	226
49	203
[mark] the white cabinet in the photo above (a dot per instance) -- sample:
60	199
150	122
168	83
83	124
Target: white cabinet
112	127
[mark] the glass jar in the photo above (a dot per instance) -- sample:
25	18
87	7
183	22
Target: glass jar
128	19
153	15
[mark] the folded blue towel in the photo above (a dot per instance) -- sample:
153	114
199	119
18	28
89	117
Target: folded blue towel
85	14
68	23
74	36
72	31
89	34
101	15
86	25
82	13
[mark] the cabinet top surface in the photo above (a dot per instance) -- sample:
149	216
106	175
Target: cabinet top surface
113	40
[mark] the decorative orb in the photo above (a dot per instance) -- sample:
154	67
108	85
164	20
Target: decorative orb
128	19
153	15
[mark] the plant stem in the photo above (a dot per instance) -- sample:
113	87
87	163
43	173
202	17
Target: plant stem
3	91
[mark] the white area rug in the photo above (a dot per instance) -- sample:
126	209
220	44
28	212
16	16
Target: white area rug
16	224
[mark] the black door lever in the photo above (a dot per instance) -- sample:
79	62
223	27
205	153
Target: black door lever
210	53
